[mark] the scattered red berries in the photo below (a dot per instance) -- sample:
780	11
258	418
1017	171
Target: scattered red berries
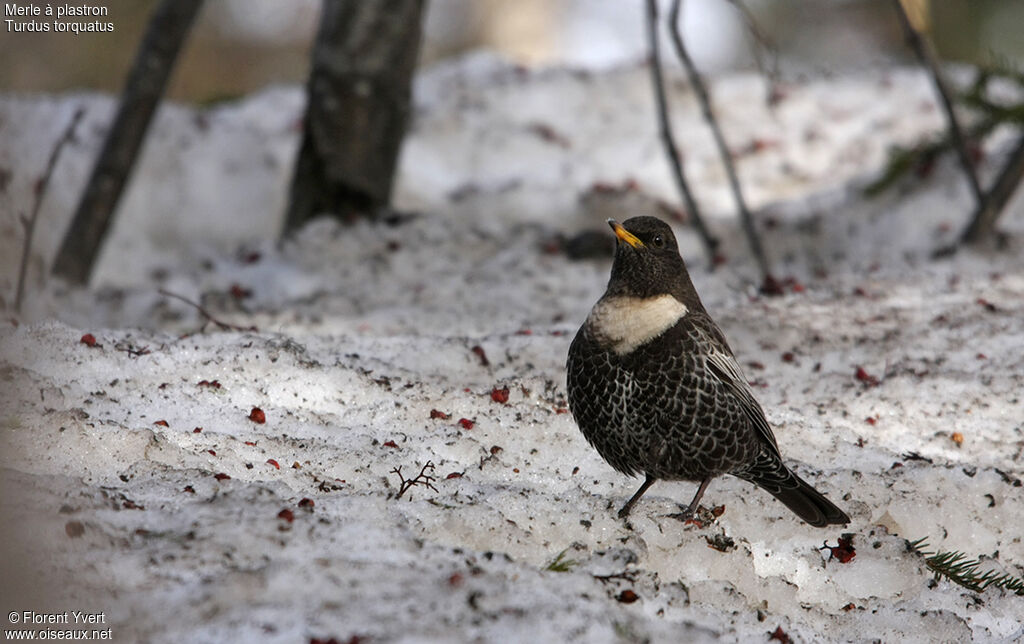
257	416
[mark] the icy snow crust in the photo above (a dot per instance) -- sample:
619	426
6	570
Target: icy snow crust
364	330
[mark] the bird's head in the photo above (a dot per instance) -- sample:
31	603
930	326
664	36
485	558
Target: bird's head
647	261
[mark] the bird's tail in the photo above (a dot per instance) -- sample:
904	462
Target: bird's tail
772	475
809	504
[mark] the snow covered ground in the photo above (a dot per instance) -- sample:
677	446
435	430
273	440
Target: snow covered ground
138	482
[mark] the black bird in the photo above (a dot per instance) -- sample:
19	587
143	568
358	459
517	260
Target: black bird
654	386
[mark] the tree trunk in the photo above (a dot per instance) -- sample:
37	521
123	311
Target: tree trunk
146	83
359	96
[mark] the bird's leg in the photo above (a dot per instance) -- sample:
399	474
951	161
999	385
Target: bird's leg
689	510
648	482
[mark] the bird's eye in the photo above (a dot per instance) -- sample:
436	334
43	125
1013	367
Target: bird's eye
658	241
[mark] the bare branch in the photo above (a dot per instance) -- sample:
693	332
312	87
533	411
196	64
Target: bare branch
147	79
705	103
206	314
763	41
132	350
984	221
665	130
420	479
927	57
40	192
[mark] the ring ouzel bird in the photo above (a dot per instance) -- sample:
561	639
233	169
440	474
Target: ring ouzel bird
656	389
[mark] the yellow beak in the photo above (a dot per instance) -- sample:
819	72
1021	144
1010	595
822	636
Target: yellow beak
624	234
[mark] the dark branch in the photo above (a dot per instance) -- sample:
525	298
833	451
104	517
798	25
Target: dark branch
145	85
420	479
625	575
206	314
763	42
132	350
927	57
665	130
40	192
984	221
705	104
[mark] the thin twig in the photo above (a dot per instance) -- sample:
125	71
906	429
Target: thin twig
40	191
763	42
625	575
984	220
132	350
665	130
927	57
206	314
422	478
734	183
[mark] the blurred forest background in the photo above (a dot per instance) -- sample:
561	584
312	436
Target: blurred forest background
239	46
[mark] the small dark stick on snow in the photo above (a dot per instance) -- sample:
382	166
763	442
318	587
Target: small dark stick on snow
420	479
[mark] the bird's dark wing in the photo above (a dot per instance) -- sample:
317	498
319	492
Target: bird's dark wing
722	364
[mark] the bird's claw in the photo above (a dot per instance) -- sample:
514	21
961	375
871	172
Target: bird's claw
681	516
686	514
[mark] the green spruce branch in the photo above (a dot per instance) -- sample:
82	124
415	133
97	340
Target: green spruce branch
956	567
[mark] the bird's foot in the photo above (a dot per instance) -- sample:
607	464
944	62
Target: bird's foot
699	516
685	514
624	511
